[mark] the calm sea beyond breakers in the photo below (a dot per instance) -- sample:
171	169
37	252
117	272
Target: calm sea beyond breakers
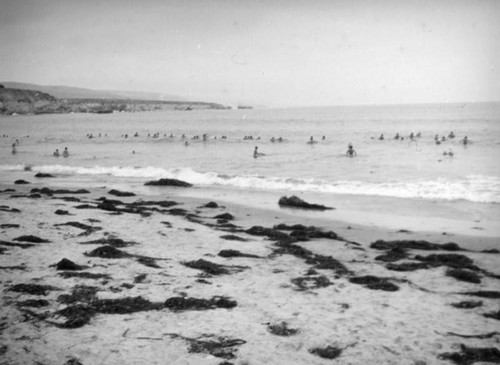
99	268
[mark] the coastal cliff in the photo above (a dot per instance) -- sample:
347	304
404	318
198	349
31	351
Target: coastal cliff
20	101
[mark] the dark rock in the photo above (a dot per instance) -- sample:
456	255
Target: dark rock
33	289
108	252
169	182
31	238
236	253
470	355
41	174
493	250
225	216
211	205
464	275
374	283
120	193
296	202
177	211
467	304
182	304
68	265
21	182
328	263
416	245
222	347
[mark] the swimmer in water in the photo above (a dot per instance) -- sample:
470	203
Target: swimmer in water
311	140
256	152
381	138
465	141
350	151
14	150
65	152
56	153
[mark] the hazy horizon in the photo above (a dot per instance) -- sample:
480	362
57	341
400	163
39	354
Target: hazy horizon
273	53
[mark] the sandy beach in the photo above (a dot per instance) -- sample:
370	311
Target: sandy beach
176	281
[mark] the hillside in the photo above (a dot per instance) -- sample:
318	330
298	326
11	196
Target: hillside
20	101
69	92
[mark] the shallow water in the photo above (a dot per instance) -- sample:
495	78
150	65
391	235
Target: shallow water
383	170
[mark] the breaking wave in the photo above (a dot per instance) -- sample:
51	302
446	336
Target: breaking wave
474	188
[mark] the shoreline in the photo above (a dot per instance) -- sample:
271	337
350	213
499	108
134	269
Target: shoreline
307	285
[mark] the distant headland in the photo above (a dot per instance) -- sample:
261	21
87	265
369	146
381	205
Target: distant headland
19	98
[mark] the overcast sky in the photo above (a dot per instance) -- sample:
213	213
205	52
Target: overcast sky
274	53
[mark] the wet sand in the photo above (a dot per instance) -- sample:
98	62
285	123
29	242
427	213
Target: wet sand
165	283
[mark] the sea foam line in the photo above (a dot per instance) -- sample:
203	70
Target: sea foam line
474	188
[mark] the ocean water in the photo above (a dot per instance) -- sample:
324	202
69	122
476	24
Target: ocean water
407	173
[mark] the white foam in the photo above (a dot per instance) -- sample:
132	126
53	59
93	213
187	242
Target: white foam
474	188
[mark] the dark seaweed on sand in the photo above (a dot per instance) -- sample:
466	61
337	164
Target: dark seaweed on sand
12	244
31	238
236	253
232	237
223	347
415	245
374	283
494	315
296	202
111	241
282	329
183	304
464	275
212	268
108	252
311	282
484	294
467	304
83	275
68	265
470	355
34	303
33	289
80	314
452	260
328	352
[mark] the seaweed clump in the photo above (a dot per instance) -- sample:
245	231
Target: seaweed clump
328	352
108	252
182	304
223	347
212	268
282	329
374	283
467	304
33	289
311	282
30	238
236	253
464	275
296	202
470	355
